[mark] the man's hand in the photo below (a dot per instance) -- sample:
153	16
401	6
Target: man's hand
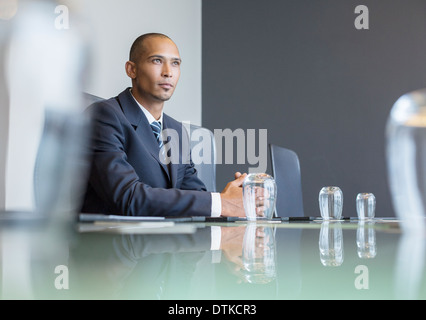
232	245
232	197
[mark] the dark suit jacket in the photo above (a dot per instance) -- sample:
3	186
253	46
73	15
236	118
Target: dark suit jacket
127	176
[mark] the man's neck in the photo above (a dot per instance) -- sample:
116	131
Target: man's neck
153	106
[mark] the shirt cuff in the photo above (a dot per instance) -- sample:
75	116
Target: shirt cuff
215	245
216	235
216	204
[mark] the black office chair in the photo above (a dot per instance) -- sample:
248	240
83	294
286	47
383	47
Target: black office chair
286	172
206	170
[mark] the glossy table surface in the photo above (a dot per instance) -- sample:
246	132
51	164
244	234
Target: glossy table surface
255	261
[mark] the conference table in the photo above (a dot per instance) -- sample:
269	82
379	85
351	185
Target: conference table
197	258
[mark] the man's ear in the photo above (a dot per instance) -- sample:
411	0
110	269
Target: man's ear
131	69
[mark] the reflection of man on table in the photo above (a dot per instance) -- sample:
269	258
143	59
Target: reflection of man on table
127	175
150	266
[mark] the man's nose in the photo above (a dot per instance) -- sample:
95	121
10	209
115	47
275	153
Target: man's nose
166	71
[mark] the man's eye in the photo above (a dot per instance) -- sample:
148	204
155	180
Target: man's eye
156	60
176	63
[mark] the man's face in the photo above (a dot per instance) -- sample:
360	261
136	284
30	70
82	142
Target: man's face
157	70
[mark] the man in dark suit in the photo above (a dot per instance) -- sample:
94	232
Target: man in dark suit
130	174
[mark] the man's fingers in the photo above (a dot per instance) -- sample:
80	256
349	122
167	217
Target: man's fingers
260	211
238	182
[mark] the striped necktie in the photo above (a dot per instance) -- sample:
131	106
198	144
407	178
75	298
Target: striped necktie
156	129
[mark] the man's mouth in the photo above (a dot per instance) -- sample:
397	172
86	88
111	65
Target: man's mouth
165	85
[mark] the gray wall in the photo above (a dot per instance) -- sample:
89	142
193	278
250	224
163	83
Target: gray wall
320	86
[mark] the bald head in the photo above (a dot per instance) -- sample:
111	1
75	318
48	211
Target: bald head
138	47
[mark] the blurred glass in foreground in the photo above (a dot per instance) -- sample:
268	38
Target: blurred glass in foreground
409	273
5	14
44	131
406	159
42	141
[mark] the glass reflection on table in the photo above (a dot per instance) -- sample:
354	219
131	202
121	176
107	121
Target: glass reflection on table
410	264
366	240
331	244
259	258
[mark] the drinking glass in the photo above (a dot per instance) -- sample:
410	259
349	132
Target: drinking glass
365	205
331	203
406	158
46	133
259	196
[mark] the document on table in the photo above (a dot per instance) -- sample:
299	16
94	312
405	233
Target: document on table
138	227
88	217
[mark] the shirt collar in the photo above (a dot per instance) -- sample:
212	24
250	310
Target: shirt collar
148	115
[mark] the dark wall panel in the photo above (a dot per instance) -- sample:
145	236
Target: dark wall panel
321	87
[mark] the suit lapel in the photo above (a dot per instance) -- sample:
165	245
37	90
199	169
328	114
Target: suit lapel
138	120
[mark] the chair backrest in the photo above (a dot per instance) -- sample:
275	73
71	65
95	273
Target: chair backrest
286	172
90	98
203	150
202	143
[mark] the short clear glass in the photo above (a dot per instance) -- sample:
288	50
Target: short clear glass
331	203
259	196
365	205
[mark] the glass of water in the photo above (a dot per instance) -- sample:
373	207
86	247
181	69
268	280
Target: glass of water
259	196
365	205
331	203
